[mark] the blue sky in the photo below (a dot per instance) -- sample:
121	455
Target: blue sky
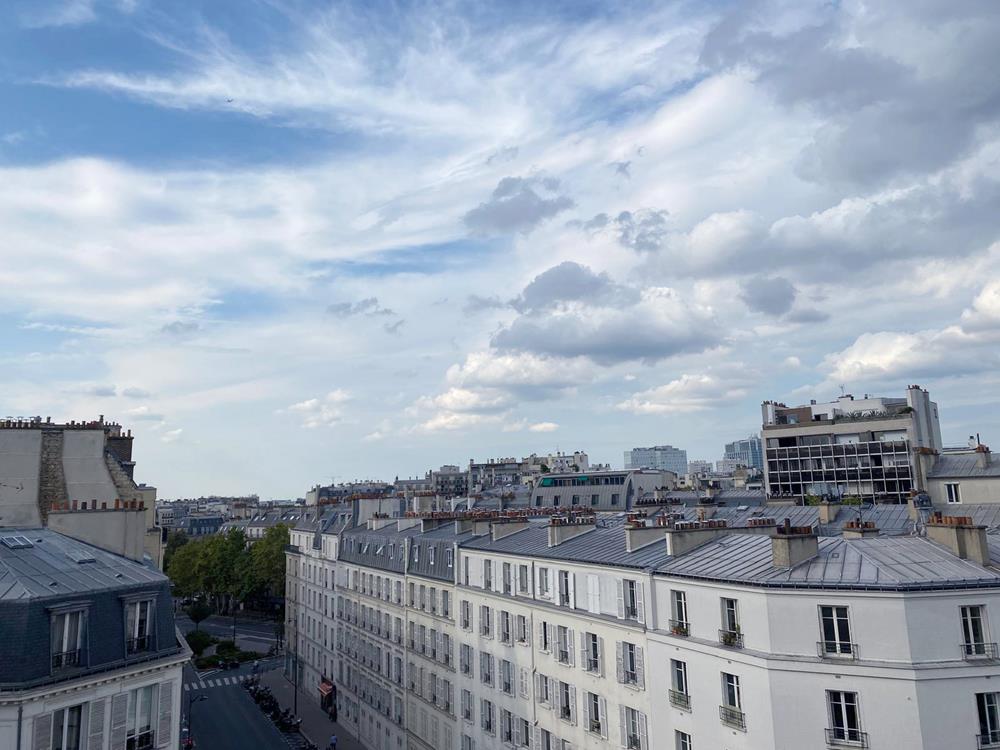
288	241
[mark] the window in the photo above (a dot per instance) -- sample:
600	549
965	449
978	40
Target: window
952	493
522	579
486	716
522	732
507	677
465	618
430	555
845	724
467	705
630	600
974	632
543	582
593	706
595	499
446	603
679	695
679	613
614	498
506	726
564	645
555	500
465	570
505	633
836	632
633	725
487	574
544	636
630	666
67	638
485	621
565	589
137	619
731	710
521	629
682	740
988	705
730	634
486	669
592	648
139	725
66	723
508	582
567	702
465	658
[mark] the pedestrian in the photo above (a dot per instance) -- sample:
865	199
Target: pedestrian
333	742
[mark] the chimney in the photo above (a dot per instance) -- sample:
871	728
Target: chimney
639	533
859	529
983	456
828	511
960	536
564	528
792	545
505	527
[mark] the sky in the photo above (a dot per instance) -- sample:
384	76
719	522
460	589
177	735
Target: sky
291	242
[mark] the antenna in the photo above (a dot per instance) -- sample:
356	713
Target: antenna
842	390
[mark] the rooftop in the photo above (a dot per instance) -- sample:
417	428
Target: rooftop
55	565
962	465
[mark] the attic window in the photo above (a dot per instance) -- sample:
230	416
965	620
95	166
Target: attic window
16	542
80	557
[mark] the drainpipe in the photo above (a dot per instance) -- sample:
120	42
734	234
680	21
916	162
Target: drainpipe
20	711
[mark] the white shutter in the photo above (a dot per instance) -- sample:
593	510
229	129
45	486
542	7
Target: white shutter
537	741
572	704
523	686
600	655
593	593
583	650
550	634
527	632
621	598
640	672
538	688
95	725
639	605
586	711
516	730
623	725
119	716
642	732
620	661
570	641
572	590
541	636
164	726
602	706
41	732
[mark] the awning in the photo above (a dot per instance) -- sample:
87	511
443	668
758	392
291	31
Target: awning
325	688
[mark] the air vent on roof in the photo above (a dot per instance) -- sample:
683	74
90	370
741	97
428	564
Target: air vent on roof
80	557
16	542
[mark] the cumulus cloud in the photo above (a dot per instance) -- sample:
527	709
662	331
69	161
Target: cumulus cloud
644	230
772	296
171	436
369	306
518	204
321	412
180	327
571	282
543	427
143	413
688	393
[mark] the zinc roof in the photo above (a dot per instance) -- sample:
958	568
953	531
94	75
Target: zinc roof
46	569
964	465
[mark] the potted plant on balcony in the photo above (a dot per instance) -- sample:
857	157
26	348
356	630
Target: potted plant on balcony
731	637
679	628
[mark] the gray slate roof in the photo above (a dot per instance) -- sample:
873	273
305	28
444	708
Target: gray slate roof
878	563
962	465
47	570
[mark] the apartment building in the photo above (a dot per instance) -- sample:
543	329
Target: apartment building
599	490
663	457
89	656
556	630
866	448
747	452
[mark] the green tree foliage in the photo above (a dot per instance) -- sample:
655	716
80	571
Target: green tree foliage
175	540
185	570
268	562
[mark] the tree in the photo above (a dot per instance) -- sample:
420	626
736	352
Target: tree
186	569
267	561
197	612
175	540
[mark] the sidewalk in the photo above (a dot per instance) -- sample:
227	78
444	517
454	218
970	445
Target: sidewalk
316	725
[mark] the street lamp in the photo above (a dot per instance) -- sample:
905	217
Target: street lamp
191	701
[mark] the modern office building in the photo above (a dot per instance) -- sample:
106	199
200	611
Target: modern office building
662	457
746	452
865	448
89	657
699	466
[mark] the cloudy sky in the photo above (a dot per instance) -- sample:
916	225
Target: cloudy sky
285	241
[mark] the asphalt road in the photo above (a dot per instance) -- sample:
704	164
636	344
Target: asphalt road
225	717
251	635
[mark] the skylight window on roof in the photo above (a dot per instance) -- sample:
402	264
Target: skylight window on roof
80	557
16	542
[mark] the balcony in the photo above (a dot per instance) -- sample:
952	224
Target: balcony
565	712
988	740
680	700
137	645
680	627
595	726
592	665
836	650
845	737
733	717
979	651
66	659
731	638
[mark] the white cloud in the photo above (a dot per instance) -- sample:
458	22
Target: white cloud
543	427
171	436
321	412
688	393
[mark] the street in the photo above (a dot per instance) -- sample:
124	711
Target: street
251	635
224	715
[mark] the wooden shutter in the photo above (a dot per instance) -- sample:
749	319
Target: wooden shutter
621	598
537	741
600	655
643	744
639	605
602	706
572	704
538	688
593	593
571	582
95	725
41	732
523	682
119	716
570	642
623	725
620	661
583	651
640	671
164	727
586	711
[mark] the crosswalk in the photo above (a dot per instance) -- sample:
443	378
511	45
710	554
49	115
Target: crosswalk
204	684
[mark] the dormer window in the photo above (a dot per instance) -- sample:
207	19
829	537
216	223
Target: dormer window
137	626
67	638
